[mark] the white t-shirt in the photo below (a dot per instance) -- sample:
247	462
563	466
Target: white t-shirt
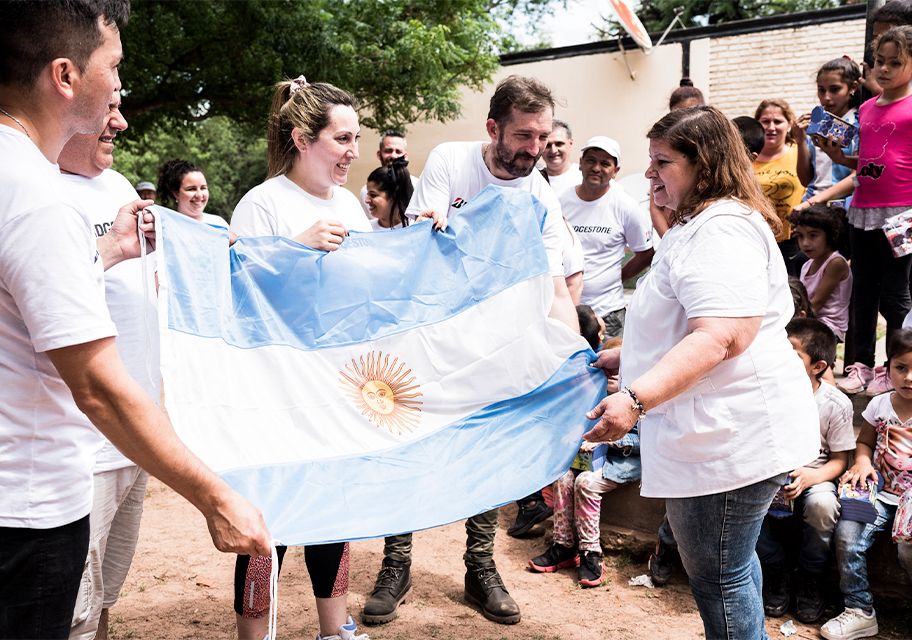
605	227
752	416
836	431
568	179
214	220
51	296
375	225
363	197
455	172
99	199
573	256
279	207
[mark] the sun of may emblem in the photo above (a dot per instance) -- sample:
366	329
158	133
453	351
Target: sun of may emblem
384	391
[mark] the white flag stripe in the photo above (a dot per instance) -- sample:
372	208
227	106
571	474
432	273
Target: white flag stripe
316	418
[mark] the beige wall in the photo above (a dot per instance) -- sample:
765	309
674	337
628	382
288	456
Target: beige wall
598	97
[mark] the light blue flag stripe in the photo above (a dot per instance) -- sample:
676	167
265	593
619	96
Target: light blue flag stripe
269	292
499	454
374	285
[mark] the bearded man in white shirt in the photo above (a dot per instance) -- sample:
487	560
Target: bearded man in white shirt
518	125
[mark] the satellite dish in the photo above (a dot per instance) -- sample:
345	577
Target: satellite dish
631	23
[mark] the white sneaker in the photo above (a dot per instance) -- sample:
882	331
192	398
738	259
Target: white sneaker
348	631
850	624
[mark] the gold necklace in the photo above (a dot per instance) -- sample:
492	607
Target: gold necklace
16	120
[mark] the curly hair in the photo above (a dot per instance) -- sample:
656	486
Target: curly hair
170	176
830	220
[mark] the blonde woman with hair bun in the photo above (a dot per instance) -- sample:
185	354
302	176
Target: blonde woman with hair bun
312	140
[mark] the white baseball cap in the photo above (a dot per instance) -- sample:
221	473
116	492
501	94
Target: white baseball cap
606	144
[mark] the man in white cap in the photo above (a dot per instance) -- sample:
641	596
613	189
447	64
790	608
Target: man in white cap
607	221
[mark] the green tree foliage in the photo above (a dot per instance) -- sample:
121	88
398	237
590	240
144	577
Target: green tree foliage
198	75
232	157
656	15
405	60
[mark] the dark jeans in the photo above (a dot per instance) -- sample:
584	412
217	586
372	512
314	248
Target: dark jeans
40	571
880	283
614	323
479	551
666	535
818	508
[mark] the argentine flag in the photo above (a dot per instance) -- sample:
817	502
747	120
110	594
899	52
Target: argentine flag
407	380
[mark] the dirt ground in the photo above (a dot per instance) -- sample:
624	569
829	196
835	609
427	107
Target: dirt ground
180	588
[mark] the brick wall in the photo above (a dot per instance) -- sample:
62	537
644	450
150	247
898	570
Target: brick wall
745	69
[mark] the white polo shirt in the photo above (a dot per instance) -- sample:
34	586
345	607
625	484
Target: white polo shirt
751	417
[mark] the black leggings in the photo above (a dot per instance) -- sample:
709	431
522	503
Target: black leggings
880	283
327	565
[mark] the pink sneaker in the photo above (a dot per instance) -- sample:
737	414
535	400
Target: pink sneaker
880	384
857	377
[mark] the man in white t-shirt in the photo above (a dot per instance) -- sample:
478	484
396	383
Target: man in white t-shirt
518	125
607	220
562	173
393	145
120	485
58	71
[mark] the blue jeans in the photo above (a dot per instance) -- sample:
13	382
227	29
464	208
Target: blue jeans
819	508
40	570
853	539
717	536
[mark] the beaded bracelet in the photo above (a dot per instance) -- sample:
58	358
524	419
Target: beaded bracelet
637	405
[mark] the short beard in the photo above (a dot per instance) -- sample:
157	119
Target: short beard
508	163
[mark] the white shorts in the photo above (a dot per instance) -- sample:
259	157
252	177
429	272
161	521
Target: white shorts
114	522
